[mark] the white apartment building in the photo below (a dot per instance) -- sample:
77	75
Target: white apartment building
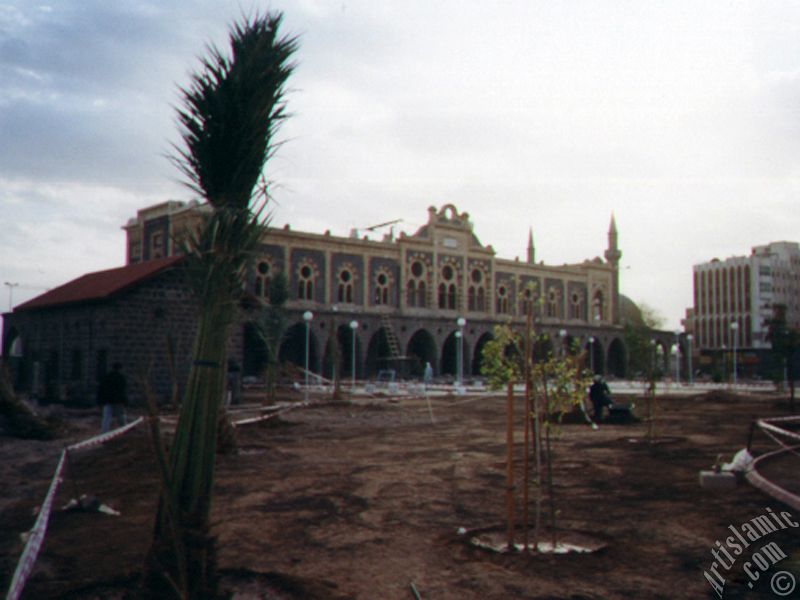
734	298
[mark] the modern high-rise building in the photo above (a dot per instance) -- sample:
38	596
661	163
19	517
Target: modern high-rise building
735	298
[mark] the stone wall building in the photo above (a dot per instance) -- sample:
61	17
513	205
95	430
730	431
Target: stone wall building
393	303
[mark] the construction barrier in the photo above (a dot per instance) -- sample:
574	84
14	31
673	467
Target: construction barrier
36	535
771	427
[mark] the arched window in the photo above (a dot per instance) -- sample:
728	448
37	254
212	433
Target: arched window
576	306
447	288
262	279
416	289
552	303
527	301
382	282
422	298
476	293
305	283
598	306
411	293
502	300
344	288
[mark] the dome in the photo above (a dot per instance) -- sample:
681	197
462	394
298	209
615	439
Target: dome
629	312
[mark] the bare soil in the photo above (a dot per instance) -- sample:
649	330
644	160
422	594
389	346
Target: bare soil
365	499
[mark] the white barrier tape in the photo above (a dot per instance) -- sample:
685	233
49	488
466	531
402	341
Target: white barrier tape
104	437
764	426
36	537
781	419
275	413
243	408
34	544
758	480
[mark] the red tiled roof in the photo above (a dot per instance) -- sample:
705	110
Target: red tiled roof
99	285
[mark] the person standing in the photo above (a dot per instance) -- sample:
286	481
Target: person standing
600	396
112	395
428	375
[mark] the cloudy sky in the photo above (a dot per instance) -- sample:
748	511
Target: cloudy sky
682	118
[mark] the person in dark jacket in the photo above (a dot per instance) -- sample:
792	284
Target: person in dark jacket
600	396
112	395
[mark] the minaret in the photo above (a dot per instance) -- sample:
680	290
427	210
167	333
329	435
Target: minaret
613	254
531	249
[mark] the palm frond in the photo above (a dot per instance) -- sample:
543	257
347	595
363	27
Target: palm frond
232	109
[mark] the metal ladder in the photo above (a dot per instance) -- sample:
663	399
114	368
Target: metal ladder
391	337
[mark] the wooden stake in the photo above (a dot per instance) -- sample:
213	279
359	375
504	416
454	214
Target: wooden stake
510	464
526	424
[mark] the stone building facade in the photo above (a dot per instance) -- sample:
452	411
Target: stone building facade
406	293
393	303
60	343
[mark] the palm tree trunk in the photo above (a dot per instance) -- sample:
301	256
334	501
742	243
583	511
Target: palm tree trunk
192	458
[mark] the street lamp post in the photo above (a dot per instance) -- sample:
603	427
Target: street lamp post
689	339
459	337
334	346
11	287
354	327
724	349
735	336
563	335
591	353
653	354
676	350
307	316
461	321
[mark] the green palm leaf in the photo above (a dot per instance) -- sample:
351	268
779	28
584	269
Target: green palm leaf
230	114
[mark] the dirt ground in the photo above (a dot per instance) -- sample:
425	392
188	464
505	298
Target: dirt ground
365	500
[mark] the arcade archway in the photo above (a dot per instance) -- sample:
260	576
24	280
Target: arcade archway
450	356
293	348
421	348
616	358
477	360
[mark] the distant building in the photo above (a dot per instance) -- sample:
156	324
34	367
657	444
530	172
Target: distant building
735	298
402	294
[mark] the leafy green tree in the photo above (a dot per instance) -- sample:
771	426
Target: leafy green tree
643	358
231	110
502	361
561	382
638	333
554	387
502	364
